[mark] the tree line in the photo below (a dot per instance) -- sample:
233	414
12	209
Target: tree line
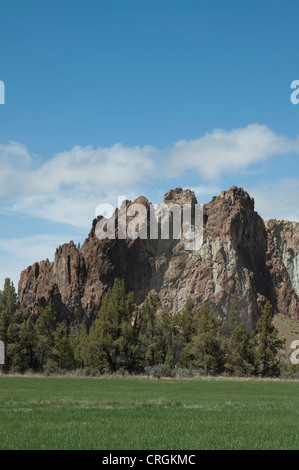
138	339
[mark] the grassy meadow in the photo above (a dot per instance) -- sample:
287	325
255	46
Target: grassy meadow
141	413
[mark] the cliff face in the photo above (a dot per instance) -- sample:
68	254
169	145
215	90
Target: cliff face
241	258
286	236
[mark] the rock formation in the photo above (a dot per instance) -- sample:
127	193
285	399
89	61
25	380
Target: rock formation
241	257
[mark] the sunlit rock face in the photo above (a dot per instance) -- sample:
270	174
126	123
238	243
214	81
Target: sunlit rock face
286	236
241	257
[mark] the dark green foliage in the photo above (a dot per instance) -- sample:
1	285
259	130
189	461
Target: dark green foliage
30	342
128	338
62	352
80	343
45	335
267	344
8	306
187	322
205	347
186	325
21	344
150	333
169	337
235	344
111	341
155	333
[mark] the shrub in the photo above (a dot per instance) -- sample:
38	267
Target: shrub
182	373
160	370
121	372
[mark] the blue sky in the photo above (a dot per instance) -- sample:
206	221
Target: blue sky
107	98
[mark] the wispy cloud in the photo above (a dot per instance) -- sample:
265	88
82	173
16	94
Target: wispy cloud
69	186
221	152
18	253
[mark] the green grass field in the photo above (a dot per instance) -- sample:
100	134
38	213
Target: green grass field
137	413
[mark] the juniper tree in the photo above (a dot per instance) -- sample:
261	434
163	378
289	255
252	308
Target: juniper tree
21	346
267	343
111	337
205	347
45	334
235	343
8	307
62	355
80	345
186	324
169	332
152	341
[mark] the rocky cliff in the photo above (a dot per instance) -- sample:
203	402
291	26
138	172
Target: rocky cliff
241	257
286	237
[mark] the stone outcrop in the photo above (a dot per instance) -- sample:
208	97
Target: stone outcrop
241	257
285	235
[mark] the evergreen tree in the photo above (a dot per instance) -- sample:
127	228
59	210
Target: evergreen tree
205	347
152	342
62	355
186	324
235	343
45	335
169	332
267	343
111	337
8	306
80	344
21	347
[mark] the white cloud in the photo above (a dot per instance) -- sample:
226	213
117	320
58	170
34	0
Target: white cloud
204	193
221	152
18	253
33	247
86	168
14	162
69	186
277	200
